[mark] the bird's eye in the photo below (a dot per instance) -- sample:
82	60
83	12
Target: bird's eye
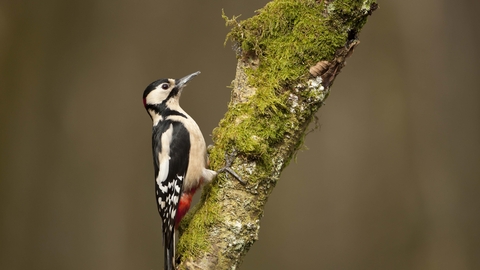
165	86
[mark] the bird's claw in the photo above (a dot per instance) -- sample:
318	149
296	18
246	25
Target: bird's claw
227	168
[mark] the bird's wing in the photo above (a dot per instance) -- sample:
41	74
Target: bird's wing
171	153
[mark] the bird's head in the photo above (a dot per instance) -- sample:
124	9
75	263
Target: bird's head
164	93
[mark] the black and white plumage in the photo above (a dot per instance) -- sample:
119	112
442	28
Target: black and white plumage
179	154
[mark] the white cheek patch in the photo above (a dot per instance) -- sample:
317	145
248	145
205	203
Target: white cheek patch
158	95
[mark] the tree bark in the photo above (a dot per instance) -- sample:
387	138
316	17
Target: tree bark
288	57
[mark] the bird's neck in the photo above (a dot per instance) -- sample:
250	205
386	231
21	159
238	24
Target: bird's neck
160	112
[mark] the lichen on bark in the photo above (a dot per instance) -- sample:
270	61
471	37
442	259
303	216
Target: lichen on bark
274	98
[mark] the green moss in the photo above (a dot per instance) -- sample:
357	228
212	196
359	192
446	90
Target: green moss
287	37
259	125
280	44
349	14
194	240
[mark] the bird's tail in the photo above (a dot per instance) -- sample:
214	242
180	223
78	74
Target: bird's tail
169	257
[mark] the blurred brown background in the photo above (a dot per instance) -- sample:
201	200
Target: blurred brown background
391	180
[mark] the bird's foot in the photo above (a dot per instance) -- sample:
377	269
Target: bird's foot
227	168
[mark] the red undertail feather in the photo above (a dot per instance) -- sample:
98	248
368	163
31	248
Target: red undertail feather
184	203
183	207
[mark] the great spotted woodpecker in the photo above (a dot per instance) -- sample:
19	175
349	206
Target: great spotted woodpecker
179	156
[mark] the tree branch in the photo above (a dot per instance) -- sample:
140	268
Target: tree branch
288	57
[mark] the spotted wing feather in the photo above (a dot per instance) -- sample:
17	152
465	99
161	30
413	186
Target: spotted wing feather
171	144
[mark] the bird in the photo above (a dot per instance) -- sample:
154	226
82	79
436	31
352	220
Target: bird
179	156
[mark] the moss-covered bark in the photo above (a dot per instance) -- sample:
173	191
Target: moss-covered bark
288	56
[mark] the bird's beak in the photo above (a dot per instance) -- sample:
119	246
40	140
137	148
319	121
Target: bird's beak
183	81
